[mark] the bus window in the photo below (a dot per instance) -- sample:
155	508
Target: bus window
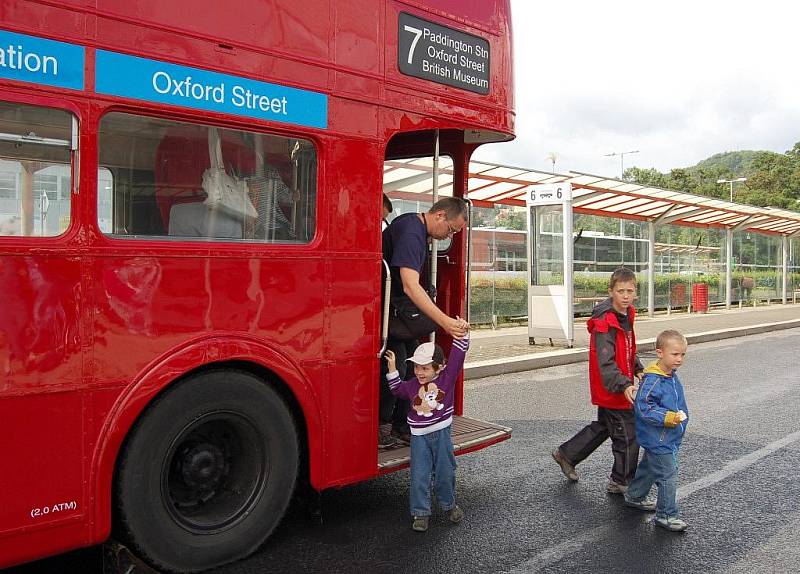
105	183
35	170
160	172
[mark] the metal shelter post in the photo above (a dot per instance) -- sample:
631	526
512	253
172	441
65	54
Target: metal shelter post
728	266
651	268
785	269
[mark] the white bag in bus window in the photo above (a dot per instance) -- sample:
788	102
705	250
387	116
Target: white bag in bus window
225	192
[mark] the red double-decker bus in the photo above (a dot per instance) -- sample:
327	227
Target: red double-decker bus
190	253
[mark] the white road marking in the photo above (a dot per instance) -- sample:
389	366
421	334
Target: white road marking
555	553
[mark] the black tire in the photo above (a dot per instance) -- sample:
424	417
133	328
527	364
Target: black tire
207	472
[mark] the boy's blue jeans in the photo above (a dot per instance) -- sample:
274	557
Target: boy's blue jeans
661	470
432	461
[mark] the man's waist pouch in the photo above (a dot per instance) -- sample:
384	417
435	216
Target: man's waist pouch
406	321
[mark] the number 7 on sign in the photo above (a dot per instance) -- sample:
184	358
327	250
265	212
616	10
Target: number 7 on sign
417	35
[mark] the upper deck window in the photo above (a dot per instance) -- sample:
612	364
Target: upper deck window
161	173
35	170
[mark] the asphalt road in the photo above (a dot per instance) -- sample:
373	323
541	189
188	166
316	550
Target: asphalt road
738	487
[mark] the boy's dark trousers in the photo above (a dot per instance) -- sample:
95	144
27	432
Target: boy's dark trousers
620	426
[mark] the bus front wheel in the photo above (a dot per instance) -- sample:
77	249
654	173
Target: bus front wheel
207	472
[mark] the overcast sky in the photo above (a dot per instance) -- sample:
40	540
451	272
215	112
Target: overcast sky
679	81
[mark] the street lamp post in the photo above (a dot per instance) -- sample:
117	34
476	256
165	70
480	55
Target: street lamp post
731	182
621	155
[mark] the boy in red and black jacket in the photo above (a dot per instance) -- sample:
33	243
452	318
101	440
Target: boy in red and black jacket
613	369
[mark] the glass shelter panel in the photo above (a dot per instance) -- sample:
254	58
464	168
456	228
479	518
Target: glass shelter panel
499	265
757	267
547	248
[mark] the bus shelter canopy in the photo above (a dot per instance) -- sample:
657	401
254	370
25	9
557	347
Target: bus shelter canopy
491	184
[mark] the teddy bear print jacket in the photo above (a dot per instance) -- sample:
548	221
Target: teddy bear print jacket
432	403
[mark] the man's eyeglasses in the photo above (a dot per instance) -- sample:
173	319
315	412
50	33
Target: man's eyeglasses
451	230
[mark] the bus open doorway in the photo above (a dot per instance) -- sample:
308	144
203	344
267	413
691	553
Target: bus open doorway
420	168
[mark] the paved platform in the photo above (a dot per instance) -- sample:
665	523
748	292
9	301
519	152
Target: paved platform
506	350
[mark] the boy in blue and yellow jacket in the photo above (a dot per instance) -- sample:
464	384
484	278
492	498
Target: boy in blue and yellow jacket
661	419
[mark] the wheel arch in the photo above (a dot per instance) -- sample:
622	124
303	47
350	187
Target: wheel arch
199	356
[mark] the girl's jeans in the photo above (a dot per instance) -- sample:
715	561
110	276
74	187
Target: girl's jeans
662	470
432	461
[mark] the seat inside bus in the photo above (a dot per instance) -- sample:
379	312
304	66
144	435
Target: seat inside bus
181	159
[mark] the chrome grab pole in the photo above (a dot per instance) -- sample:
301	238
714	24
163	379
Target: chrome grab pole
434	243
387	289
469	259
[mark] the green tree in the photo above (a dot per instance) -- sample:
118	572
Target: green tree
649	176
511	219
773	179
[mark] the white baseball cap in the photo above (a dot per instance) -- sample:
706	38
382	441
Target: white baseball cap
427	353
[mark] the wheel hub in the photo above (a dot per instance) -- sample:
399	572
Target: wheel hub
203	466
217	467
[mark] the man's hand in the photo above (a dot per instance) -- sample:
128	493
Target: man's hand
682	416
391	361
630	393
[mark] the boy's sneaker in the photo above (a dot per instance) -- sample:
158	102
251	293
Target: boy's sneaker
385	438
566	467
672	524
455	515
614	487
420	523
647	504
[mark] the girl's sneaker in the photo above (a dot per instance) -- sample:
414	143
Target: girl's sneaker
671	523
420	523
455	515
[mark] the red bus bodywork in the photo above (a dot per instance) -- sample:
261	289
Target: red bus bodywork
94	327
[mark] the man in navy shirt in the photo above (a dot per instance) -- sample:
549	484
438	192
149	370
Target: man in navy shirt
405	248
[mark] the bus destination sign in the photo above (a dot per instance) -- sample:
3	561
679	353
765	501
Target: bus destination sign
442	55
156	81
40	61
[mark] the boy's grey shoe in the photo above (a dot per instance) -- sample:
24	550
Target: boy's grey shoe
420	523
566	467
455	515
614	487
647	504
672	524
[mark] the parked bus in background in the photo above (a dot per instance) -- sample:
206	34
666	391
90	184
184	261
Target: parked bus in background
190	254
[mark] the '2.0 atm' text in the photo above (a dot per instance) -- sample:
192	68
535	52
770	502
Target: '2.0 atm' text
40	511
